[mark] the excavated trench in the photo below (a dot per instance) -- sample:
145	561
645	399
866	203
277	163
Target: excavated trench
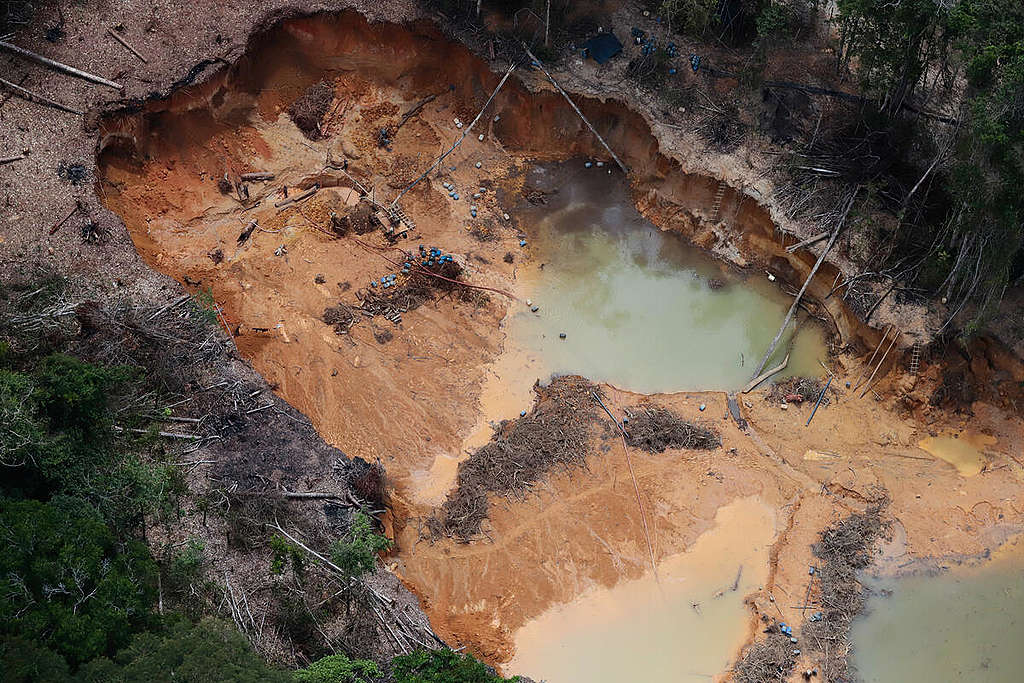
405	393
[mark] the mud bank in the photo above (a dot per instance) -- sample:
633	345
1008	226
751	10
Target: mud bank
410	393
414	61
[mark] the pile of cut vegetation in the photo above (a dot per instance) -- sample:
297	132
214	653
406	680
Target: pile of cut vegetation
655	428
555	433
844	550
341	317
309	109
797	390
768	660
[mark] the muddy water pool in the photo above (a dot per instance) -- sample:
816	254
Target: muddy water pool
640	308
965	624
684	625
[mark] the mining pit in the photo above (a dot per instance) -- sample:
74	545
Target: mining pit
703	546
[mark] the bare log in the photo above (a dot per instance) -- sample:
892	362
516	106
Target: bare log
305	195
867	386
8	160
458	142
39	99
806	242
167	435
174	304
251	177
810	276
70	70
311	495
415	110
765	375
57	226
871	360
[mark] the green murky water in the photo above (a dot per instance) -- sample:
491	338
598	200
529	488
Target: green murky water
639	306
966	624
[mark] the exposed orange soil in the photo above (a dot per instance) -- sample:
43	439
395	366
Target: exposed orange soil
413	402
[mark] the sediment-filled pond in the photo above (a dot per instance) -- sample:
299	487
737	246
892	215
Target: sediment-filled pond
640	308
683	625
966	624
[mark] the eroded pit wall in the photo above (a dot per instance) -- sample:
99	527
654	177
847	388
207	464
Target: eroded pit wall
417	61
412	402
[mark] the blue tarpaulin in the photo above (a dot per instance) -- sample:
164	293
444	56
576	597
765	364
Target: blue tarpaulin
602	47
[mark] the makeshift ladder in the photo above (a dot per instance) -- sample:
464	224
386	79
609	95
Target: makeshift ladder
716	209
915	358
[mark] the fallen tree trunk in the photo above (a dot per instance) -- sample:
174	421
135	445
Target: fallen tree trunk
576	109
39	99
806	242
807	282
45	61
765	375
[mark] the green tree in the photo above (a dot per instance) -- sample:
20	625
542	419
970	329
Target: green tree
893	43
986	225
68	584
692	17
443	666
339	669
26	661
211	650
62	440
776	21
356	554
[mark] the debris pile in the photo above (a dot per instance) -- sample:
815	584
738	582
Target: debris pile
309	110
845	549
555	433
419	280
797	390
653	429
341	316
768	659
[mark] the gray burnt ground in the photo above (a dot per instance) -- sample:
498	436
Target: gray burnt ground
254	473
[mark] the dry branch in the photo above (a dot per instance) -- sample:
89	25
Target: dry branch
39	99
458	142
807	282
572	104
45	61
126	45
765	375
807	242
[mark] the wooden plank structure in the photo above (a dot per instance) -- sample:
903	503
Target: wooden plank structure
393	220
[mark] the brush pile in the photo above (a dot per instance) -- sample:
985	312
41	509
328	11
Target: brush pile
653	429
797	390
554	434
341	317
309	110
845	550
767	660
